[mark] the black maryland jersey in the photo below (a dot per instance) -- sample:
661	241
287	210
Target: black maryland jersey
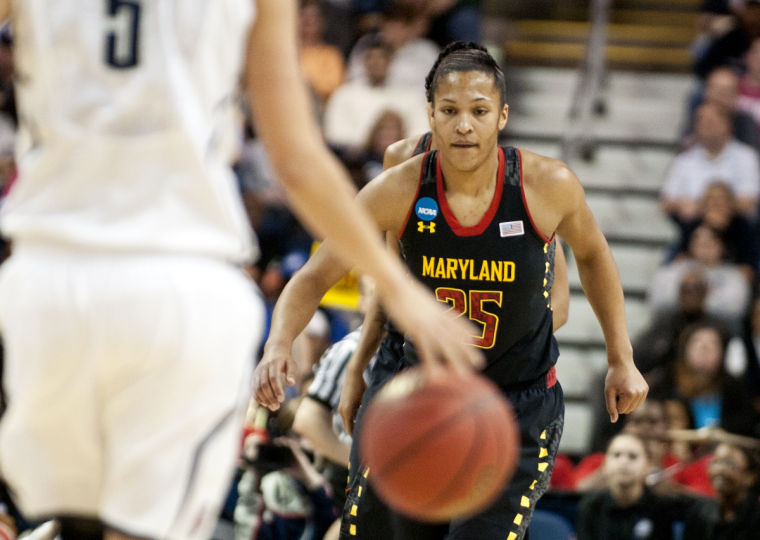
497	273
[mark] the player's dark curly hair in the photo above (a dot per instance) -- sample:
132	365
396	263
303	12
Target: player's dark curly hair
464	56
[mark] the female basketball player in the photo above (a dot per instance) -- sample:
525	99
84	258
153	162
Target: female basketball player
475	223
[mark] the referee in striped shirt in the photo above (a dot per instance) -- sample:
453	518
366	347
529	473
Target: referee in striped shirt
317	418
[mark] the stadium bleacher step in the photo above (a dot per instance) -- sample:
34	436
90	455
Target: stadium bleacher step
642	35
646	112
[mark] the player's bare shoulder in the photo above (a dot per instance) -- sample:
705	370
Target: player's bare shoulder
399	151
390	194
551	189
545	173
399	179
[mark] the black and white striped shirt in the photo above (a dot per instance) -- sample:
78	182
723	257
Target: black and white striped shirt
329	376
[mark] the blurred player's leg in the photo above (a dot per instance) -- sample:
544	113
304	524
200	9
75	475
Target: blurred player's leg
152	390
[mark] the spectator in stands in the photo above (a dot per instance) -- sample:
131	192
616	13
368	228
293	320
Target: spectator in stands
749	85
735	515
668	473
715	20
731	46
699	378
656	345
322	65
718	210
716	154
387	129
278	231
728	292
722	89
340	24
281	494
743	354
354	107
453	20
627	509
403	28
752	341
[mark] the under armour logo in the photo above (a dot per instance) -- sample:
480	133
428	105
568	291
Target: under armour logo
422	227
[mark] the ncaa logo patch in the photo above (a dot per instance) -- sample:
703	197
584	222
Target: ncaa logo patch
426	209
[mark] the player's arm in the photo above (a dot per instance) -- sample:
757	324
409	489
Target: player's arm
319	191
317	186
301	296
560	288
314	421
5	10
625	388
294	308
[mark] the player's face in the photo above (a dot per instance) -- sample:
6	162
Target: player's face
465	117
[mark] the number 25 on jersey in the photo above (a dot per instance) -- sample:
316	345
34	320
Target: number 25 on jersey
472	304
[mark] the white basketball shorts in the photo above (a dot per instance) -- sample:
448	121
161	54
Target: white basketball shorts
127	380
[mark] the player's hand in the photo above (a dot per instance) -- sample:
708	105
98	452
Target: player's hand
624	389
274	369
351	399
441	339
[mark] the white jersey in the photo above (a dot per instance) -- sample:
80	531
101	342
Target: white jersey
128	111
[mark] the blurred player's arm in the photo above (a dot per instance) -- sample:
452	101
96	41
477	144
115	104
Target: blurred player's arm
317	186
319	191
374	317
560	288
314	421
5	10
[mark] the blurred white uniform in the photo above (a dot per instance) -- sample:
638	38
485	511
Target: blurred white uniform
129	331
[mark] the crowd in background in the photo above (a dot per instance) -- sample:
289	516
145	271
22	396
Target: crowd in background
365	62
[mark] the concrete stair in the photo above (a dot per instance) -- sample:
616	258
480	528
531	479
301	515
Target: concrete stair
643	35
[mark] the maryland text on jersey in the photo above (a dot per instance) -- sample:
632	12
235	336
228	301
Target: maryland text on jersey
468	269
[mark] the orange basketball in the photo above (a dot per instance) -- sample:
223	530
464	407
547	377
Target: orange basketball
439	449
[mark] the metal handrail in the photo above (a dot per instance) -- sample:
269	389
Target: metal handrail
588	99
